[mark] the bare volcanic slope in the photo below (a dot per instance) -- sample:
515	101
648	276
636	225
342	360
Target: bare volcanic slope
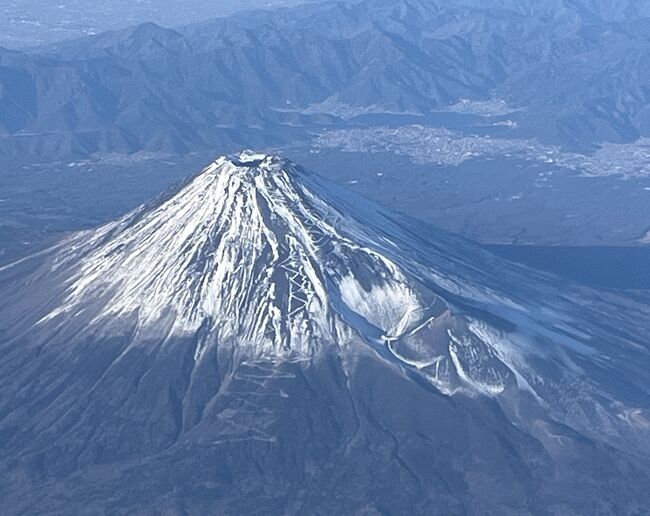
260	341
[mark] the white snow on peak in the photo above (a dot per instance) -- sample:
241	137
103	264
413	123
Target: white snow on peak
249	156
245	253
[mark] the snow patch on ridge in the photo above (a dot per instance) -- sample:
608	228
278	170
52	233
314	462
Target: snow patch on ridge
383	305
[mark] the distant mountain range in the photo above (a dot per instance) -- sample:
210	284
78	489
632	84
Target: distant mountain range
570	73
260	341
29	23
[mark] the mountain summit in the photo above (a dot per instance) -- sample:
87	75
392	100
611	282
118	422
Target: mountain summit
249	254
260	334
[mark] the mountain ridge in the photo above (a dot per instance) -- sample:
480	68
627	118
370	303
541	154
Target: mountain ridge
136	90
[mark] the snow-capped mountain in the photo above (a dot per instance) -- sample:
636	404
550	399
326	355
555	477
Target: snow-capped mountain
255	296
